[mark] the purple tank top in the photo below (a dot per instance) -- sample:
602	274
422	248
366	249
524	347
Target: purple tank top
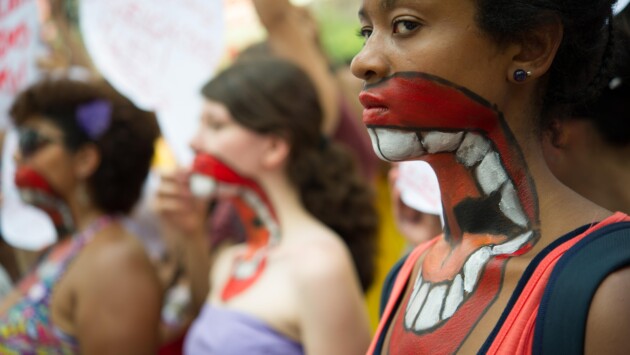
229	332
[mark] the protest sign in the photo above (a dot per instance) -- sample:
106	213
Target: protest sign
158	53
23	226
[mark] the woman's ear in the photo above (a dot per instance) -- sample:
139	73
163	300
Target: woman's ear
536	51
277	152
86	160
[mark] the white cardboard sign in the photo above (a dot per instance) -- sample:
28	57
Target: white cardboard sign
18	46
23	226
158	53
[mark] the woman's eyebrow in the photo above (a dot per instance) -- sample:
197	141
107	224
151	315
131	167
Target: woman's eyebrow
388	4
385	5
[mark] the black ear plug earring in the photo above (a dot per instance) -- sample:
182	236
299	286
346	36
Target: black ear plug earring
521	75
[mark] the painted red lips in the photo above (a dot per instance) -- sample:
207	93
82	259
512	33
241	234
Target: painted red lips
374	106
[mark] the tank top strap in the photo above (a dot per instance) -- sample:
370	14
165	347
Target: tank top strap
26	328
78	242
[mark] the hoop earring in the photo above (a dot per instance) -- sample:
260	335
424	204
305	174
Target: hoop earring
521	75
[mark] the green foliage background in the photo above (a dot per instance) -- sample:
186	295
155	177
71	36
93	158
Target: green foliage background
339	26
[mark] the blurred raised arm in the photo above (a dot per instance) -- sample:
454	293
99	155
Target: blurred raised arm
293	35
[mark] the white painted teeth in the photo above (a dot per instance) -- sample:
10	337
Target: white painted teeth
513	245
490	173
473	148
511	206
455	297
395	145
473	267
439	142
433	303
416	301
202	185
264	214
430	313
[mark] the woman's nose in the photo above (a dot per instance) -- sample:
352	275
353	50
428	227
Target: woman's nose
195	143
370	63
200	141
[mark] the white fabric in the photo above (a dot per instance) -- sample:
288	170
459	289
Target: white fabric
18	51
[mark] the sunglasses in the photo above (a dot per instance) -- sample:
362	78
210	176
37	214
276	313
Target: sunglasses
31	140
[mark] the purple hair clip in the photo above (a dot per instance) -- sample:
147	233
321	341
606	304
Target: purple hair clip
94	118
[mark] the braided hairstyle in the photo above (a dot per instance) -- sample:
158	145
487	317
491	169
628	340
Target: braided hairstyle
273	96
582	65
610	113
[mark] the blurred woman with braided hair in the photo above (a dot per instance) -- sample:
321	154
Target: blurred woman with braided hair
524	264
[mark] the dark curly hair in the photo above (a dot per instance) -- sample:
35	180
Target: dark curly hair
610	112
581	67
126	148
273	96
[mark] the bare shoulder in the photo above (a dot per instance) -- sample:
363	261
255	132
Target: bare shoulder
117	260
332	316
116	249
320	259
609	316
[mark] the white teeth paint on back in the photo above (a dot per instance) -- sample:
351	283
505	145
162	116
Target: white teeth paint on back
473	267
510	205
439	142
490	173
455	297
513	245
396	145
430	313
473	148
415	304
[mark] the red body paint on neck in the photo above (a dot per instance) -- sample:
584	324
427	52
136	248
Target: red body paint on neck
258	217
489	202
37	191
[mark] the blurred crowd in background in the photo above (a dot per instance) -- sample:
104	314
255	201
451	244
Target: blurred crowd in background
268	216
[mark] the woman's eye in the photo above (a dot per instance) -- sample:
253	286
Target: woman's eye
364	33
405	26
215	125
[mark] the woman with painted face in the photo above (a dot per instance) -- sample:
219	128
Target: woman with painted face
468	86
84	153
292	287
